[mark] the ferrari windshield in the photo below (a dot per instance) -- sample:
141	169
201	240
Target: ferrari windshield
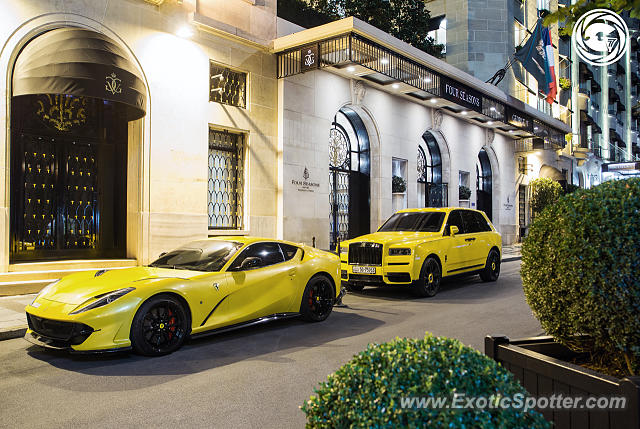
203	255
414	221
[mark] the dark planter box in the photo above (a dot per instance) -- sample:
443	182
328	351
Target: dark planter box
540	364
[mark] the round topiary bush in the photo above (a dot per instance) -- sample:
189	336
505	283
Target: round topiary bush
544	191
581	270
373	389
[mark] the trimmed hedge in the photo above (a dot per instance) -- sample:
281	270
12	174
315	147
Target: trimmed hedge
544	191
368	390
581	270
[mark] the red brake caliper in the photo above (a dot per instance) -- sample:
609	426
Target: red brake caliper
311	298
172	322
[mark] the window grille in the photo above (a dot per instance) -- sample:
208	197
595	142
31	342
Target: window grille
225	184
227	86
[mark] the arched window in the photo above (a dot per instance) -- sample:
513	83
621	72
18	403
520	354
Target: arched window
431	191
483	183
348	177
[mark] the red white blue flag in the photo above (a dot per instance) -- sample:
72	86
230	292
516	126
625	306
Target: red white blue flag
537	58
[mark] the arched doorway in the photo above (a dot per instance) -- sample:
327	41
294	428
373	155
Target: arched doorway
483	183
431	191
349	168
74	92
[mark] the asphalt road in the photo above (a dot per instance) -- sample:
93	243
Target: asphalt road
256	377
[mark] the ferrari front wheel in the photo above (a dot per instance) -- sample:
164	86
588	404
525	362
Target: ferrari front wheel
160	326
317	299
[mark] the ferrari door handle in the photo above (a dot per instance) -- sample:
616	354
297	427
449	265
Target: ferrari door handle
469	239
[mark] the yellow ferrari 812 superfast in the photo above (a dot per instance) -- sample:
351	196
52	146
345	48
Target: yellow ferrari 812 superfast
204	287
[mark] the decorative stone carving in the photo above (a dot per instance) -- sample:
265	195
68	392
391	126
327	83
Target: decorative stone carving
437	119
490	136
359	91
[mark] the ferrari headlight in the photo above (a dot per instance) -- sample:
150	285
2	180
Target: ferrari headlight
399	252
104	300
45	290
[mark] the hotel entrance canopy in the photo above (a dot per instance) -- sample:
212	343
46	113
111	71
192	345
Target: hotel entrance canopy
357	50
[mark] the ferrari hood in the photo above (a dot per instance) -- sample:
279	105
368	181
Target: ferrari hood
78	288
395	238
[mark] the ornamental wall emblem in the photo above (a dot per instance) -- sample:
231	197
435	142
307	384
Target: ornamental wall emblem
113	84
359	91
309	58
437	119
305	174
491	134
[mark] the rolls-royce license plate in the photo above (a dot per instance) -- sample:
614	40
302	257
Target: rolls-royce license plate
364	270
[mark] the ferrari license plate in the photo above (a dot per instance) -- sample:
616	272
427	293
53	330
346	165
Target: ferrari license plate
364	270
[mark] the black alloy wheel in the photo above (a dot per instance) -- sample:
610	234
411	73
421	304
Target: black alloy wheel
318	299
430	278
491	270
160	326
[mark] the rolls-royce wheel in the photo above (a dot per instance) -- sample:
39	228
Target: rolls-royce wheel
430	278
355	287
160	326
491	270
317	299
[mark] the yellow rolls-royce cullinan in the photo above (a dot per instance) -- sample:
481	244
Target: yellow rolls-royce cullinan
204	287
419	247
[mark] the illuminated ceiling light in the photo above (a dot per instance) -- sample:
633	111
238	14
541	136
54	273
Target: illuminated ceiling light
434	100
186	31
464	112
351	69
493	109
395	86
384	61
490	123
511	131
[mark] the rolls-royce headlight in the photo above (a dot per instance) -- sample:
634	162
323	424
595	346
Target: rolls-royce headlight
399	252
104	300
45	290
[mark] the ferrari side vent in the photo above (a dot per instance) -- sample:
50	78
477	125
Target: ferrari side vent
99	273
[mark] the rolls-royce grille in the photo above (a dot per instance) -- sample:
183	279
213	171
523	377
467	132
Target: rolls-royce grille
74	333
365	254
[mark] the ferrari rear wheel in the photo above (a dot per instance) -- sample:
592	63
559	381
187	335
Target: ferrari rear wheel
160	326
317	299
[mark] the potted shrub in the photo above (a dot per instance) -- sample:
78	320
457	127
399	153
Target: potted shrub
581	278
564	83
398	185
376	388
464	193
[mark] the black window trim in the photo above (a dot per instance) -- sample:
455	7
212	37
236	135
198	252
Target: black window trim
240	251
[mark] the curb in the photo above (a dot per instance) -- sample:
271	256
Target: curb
11	333
513	258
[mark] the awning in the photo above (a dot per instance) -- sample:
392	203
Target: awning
552	173
83	63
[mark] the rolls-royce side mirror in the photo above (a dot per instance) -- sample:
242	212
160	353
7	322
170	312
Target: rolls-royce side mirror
453	230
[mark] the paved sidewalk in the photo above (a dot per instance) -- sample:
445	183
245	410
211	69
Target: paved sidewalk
511	252
13	322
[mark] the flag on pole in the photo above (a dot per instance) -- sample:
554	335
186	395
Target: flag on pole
536	57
